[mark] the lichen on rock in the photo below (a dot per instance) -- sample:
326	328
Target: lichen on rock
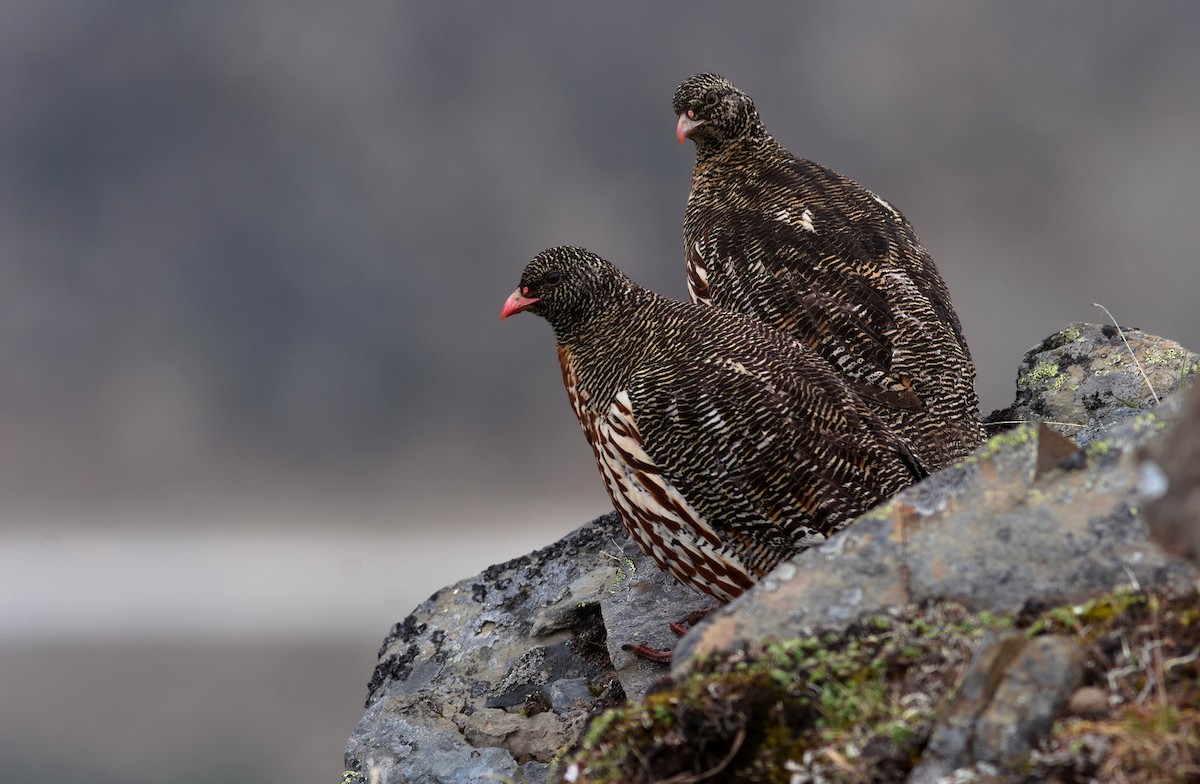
1090	376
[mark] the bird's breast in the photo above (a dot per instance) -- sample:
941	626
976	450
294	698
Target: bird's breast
579	395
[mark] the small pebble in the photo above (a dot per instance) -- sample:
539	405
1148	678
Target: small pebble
1089	702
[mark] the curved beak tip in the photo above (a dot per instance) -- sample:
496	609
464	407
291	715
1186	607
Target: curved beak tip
516	303
685	126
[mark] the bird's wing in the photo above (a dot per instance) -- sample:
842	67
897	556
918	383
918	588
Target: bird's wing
812	253
771	458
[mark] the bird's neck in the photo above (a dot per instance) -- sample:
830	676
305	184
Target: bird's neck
602	355
713	152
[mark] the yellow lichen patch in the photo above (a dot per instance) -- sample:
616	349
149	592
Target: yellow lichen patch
1041	372
625	571
1070	334
1160	355
1099	447
1023	434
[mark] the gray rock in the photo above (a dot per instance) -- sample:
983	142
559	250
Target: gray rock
494	673
407	745
564	694
657	600
1012	692
1084	378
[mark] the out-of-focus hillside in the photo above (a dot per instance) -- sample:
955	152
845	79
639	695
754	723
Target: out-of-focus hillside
257	250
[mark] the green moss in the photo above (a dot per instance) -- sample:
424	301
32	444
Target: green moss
759	712
1094	614
899	731
880	623
985	620
598	727
868	697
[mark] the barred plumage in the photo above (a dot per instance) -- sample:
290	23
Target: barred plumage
726	446
819	256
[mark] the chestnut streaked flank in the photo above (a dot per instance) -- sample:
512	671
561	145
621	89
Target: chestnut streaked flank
819	256
726	447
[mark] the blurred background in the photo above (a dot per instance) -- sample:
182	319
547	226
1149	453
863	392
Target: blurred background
255	401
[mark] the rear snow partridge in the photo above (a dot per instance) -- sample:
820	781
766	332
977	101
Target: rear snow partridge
816	255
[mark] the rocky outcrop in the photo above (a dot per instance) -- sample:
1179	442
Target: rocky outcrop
493	675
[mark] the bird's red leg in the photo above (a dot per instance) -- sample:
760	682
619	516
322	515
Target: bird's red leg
680	628
644	651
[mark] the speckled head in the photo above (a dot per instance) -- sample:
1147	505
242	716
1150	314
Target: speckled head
567	286
711	111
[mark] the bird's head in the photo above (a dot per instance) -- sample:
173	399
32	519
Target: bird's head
568	287
712	111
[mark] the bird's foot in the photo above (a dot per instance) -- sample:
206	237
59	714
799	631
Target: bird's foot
684	624
680	628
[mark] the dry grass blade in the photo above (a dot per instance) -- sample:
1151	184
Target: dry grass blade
690	778
1027	421
1141	370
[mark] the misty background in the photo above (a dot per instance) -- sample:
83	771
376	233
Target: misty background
255	400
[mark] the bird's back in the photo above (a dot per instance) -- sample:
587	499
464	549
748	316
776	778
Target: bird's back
819	256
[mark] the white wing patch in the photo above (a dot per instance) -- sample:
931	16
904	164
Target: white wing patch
806	221
697	278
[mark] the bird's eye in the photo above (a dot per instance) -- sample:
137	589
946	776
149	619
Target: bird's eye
552	277
711	98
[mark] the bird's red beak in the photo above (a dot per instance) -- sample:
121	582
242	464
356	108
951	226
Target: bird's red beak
517	302
685	127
